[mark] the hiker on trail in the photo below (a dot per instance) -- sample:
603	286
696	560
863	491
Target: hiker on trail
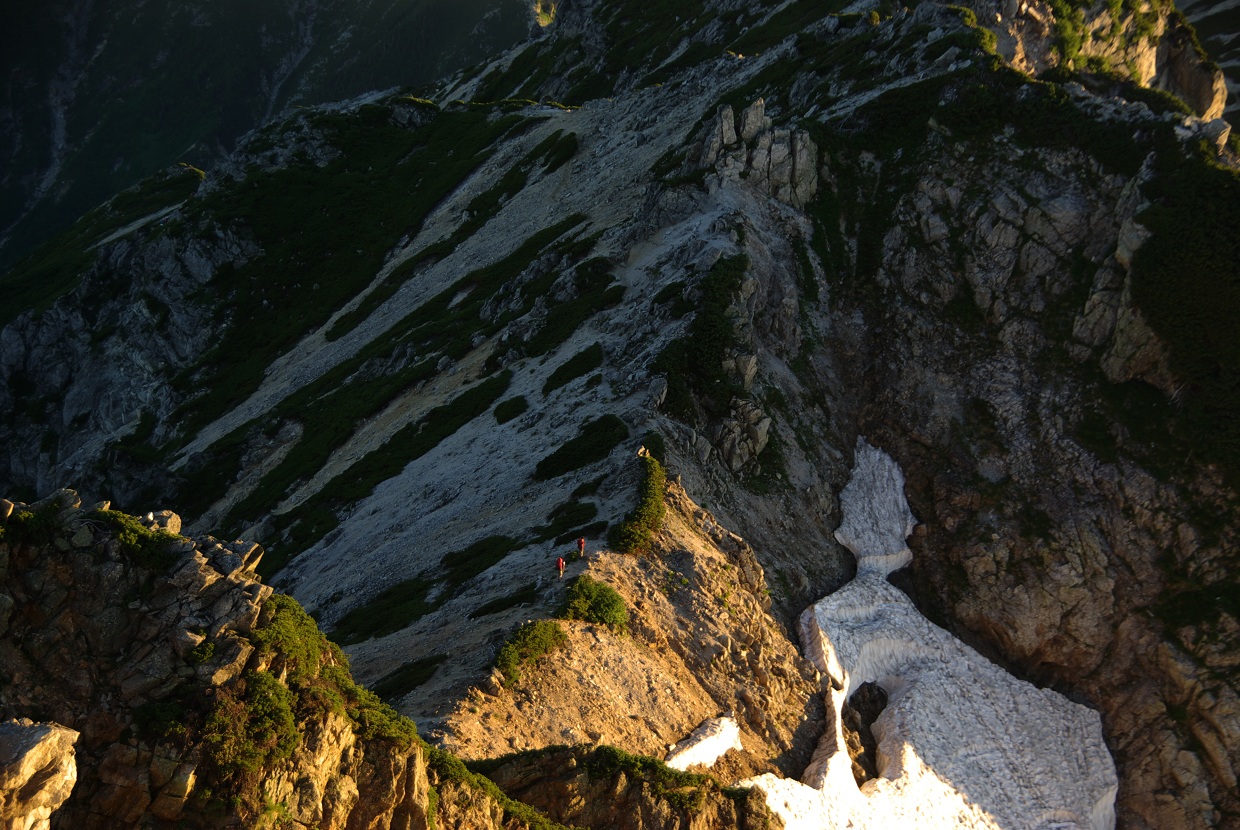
559	563
581	548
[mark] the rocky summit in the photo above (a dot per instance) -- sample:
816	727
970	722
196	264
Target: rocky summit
706	414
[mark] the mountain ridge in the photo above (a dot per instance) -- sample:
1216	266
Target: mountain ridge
960	281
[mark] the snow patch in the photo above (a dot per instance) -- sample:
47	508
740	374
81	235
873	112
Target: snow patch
706	744
961	743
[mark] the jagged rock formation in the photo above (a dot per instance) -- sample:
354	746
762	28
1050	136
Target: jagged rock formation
369	340
1158	50
37	772
120	635
961	743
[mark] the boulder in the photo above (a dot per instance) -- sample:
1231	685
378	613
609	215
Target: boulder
38	769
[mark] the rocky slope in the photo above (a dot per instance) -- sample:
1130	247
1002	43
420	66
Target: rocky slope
98	96
196	698
413	347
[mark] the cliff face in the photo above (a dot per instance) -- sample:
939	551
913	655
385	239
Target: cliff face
413	346
149	645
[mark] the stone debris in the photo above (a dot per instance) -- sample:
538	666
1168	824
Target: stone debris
961	743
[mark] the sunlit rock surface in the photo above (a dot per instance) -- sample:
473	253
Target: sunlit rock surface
961	742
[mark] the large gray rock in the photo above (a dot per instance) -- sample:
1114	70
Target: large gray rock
38	769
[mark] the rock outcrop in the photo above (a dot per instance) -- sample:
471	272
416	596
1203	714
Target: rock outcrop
144	642
37	772
1156	45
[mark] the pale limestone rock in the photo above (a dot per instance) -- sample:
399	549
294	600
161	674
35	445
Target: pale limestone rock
1217	132
1132	236
37	772
754	120
804	168
1136	352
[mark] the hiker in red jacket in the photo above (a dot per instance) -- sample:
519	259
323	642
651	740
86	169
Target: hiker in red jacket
581	548
559	563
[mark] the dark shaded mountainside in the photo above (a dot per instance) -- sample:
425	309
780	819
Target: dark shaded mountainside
411	344
96	96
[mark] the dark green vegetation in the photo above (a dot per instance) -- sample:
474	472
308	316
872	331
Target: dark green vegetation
406	602
592	282
31	527
593	442
56	267
566	522
639	527
408	677
595	602
333	237
330	408
576	366
251	724
522	596
526	645
1186	280
681	790
149	548
464	565
251	727
693	364
480	211
391	610
505	411
447	768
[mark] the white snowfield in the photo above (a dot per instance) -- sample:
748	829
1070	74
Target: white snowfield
706	744
961	743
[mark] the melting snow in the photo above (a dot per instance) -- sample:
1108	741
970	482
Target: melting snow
961	743
706	744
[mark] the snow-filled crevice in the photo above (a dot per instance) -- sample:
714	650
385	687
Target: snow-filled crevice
959	742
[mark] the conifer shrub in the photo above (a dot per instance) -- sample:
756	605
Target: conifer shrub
593	601
681	790
32	527
393	609
317	671
594	442
528	643
408	677
505	411
567	517
149	548
693	364
522	596
251	727
579	364
635	533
